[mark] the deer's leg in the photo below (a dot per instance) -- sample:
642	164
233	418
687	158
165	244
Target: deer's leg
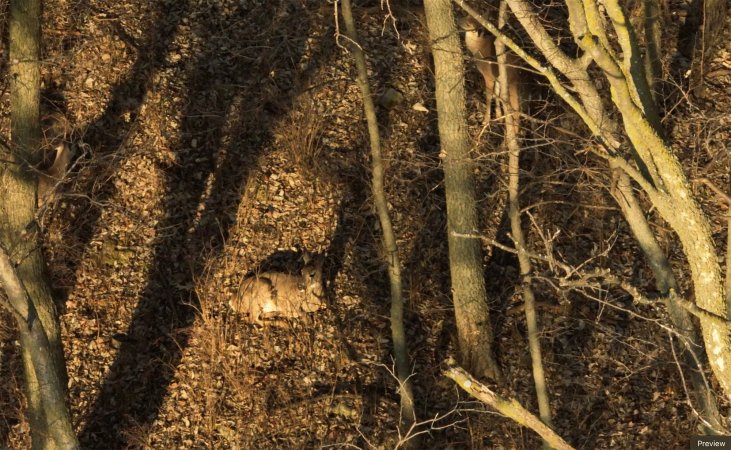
514	96
486	70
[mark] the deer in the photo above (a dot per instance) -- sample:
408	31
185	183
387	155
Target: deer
481	44
57	155
281	295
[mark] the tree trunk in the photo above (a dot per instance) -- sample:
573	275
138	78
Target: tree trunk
400	350
56	430
465	253
512	135
18	228
691	351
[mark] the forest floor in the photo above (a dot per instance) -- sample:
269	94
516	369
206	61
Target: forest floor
219	138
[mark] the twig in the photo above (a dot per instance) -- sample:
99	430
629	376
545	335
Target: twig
715	189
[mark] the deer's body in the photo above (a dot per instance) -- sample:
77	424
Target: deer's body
481	44
274	294
57	154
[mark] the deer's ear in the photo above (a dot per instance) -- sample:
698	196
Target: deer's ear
467	23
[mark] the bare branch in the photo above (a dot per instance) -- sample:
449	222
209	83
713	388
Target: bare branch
509	408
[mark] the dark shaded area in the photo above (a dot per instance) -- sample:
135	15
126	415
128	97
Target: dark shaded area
699	35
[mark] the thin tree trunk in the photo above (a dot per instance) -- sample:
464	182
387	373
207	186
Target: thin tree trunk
670	193
692	352
400	349
667	187
512	133
471	309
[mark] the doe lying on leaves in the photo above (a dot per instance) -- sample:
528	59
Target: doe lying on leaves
271	295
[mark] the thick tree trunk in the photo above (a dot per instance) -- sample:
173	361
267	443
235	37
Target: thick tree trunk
671	194
465	253
18	229
55	430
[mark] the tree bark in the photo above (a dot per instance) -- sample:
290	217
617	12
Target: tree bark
691	353
56	428
653	25
18	228
471	309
